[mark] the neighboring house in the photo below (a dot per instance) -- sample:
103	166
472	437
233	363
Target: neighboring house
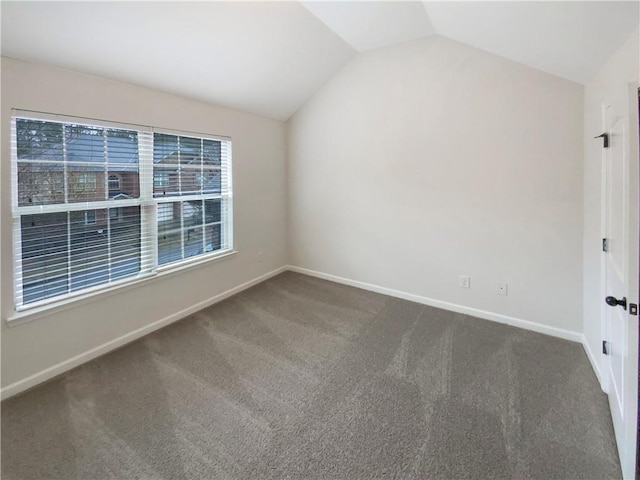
98	167
103	167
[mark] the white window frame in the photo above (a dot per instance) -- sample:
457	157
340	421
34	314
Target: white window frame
146	201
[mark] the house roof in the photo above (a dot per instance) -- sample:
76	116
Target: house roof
122	151
87	147
269	58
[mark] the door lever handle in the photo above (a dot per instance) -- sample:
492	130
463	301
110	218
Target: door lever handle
614	302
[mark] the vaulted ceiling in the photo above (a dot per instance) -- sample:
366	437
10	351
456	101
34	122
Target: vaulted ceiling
269	58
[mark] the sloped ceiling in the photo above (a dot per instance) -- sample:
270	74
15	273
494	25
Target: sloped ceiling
269	58
262	57
369	25
569	39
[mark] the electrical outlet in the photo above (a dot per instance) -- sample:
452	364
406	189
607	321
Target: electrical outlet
260	256
464	281
502	288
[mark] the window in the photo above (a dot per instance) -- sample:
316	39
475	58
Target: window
96	204
90	217
160	179
115	214
83	182
114	182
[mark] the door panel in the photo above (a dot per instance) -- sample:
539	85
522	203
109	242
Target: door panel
620	327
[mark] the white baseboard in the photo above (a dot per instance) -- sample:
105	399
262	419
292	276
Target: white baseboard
594	363
494	317
55	370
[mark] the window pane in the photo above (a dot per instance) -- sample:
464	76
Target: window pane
192	213
165	182
190	181
123	183
85	184
213	238
44	244
122	147
212	211
125	241
180	231
211	152
165	148
40	183
169	232
89	252
193	242
211	180
84	144
190	151
37	140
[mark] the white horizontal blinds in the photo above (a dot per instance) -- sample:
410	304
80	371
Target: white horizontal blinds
191	184
77	229
95	204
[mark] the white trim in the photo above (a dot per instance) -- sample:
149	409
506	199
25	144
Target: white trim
75	207
486	315
91	122
55	370
594	363
196	135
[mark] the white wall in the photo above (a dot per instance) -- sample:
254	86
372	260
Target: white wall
259	207
430	159
611	79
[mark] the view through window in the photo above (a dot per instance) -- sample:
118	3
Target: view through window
94	205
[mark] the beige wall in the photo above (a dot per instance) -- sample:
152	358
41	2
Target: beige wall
612	79
259	207
427	160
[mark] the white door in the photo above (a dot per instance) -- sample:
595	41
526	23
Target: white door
621	272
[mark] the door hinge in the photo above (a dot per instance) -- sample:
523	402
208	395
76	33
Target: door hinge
605	138
605	347
633	309
605	245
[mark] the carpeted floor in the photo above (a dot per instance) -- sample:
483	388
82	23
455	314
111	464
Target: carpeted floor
302	378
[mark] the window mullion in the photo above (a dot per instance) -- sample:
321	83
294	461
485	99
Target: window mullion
181	229
202	201
17	242
65	173
68	252
148	227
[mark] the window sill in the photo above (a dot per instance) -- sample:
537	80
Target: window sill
30	314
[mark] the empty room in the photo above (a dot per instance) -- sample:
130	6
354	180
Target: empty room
319	239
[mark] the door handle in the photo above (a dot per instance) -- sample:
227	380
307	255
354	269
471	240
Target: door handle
614	302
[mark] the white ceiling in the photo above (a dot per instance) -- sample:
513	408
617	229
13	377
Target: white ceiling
369	25
269	57
263	57
569	39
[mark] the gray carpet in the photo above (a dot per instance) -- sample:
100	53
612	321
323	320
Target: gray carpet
303	378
